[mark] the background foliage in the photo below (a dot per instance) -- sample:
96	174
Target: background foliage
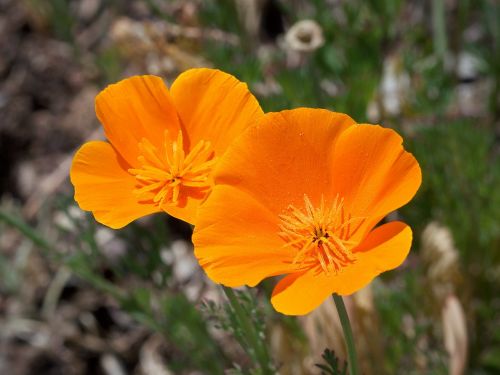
77	298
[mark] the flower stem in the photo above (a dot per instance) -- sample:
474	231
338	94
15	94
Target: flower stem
245	321
349	339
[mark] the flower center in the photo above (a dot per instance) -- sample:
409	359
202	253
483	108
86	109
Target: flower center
321	235
163	172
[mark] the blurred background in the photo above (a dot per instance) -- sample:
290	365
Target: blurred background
78	298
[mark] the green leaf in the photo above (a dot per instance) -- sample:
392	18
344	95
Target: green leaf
332	366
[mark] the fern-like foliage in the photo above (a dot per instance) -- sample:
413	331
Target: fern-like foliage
332	366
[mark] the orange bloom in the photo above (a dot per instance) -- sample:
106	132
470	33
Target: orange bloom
162	145
299	195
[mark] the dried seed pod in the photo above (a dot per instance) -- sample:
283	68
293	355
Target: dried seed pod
304	36
441	257
455	334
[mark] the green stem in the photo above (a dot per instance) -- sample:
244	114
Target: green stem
439	29
49	250
26	230
261	354
349	339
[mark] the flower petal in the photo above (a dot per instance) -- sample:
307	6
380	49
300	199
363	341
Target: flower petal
103	185
213	106
187	207
384	248
287	155
373	172
136	108
236	239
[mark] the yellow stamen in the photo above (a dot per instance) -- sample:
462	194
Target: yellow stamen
322	235
163	173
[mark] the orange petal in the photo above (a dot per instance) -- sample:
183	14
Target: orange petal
136	108
373	172
287	155
213	106
384	248
187	208
103	185
236	239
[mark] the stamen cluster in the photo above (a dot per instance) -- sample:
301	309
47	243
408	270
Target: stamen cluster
321	235
164	172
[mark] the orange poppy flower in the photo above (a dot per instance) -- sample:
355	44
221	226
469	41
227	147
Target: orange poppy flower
299	195
162	145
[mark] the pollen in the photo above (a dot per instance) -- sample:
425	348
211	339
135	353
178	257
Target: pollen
321	235
164	173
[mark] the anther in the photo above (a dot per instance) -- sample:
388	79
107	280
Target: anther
321	235
163	173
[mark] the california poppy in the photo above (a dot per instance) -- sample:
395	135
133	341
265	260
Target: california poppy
163	145
299	195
